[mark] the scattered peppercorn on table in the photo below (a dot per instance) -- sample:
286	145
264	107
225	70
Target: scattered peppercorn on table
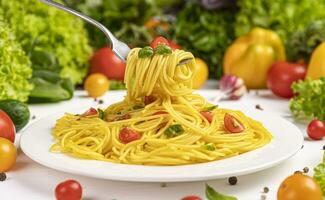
29	180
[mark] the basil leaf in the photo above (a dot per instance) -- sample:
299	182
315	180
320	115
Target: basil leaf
211	194
50	87
174	130
145	52
162	49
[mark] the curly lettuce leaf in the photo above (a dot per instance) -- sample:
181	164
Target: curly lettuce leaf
283	16
304	42
310	98
14	67
54	40
206	33
319	174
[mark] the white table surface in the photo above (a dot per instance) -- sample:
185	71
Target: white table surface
29	180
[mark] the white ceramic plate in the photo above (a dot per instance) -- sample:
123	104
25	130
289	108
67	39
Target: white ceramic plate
36	141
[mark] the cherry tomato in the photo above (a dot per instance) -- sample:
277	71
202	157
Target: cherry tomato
282	74
207	115
316	129
7	127
8	154
128	135
299	187
96	85
90	112
149	99
160	112
174	45
104	61
158	40
68	190
200	73
191	198
232	124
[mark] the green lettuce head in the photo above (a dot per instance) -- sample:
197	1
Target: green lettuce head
54	40
15	67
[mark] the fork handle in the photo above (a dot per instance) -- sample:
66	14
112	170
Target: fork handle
109	36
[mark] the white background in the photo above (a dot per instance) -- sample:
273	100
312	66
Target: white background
31	181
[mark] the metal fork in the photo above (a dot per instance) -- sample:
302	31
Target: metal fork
119	48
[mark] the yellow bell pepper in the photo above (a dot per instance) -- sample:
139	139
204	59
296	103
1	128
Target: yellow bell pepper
251	55
316	67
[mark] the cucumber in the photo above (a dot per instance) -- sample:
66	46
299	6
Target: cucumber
17	111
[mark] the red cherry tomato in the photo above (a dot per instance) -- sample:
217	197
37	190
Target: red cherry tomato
207	115
232	124
173	45
90	112
191	198
149	99
316	129
104	61
128	135
7	127
160	112
158	40
282	74
68	190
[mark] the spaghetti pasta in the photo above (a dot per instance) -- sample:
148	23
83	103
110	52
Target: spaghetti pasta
160	121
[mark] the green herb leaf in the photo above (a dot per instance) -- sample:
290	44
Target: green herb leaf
211	194
209	147
145	52
174	130
163	49
101	113
210	108
137	107
319	174
50	87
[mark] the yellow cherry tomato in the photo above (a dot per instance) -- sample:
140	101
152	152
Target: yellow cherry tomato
299	187
8	154
200	73
96	85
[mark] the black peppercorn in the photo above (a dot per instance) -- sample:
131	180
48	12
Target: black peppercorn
305	169
3	176
324	147
232	180
266	189
257	106
100	101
